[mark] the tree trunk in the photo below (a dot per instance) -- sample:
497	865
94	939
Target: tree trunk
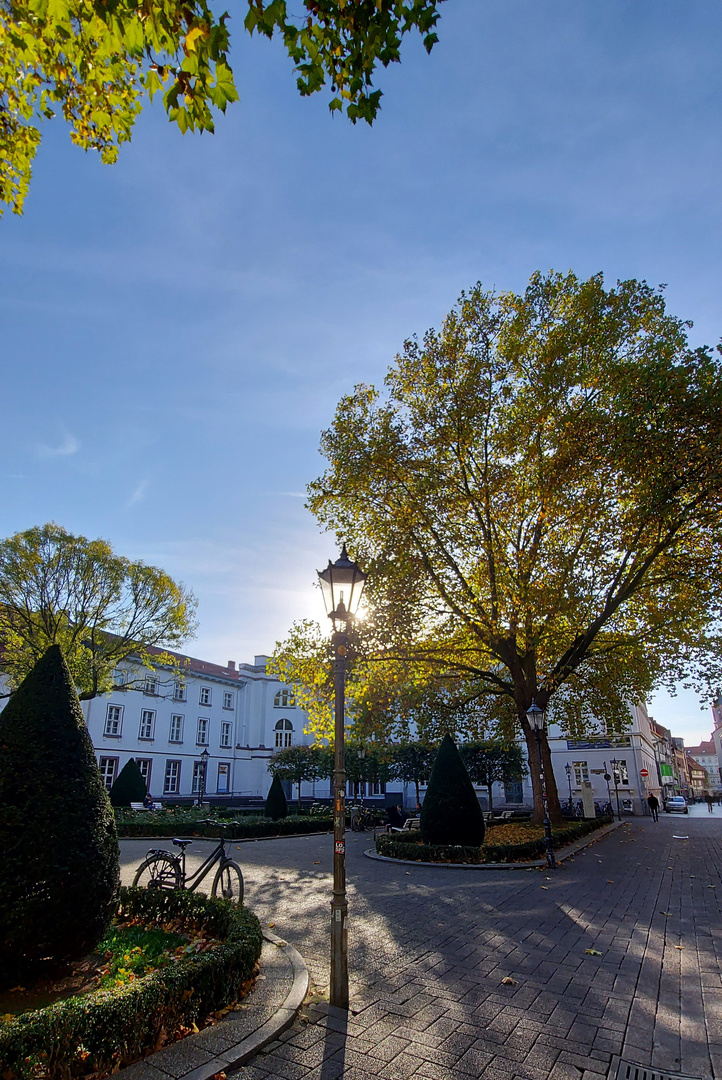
555	811
418	794
489	789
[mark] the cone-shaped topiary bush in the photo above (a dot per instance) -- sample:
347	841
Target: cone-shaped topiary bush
58	844
276	805
451	813
129	787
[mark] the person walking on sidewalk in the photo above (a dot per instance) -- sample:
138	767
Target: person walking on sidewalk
710	802
653	803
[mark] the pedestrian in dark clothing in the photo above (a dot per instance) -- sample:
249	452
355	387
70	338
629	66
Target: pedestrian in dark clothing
710	802
653	803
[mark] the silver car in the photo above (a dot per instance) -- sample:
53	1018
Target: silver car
676	804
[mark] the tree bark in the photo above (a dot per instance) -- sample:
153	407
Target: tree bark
555	811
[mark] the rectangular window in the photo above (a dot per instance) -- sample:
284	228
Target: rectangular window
620	767
176	728
198	768
356	790
377	788
118	679
150	686
145	764
147	724
581	773
205	698
171	784
202	733
227	699
224	774
113	720
108	768
226	731
179	690
514	792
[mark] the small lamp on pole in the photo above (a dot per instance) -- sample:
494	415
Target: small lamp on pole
568	771
536	718
202	778
342	583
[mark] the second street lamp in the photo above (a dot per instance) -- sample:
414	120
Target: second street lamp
342	583
535	716
568	771
202	776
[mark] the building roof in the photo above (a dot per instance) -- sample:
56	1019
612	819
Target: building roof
703	748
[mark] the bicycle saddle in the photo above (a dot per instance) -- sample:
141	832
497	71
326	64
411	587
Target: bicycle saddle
181	843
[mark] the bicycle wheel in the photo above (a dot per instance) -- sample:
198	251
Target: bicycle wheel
228	883
158	872
356	823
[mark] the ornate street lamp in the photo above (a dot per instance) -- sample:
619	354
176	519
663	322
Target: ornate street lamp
617	776
342	583
535	716
568	771
202	778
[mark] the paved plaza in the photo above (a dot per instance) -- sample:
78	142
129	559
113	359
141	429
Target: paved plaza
429	949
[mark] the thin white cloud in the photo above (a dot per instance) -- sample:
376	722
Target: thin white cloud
69	446
138	494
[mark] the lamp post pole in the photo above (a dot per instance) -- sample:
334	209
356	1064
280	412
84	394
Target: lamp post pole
568	771
339	903
607	777
535	716
202	778
342	584
615	773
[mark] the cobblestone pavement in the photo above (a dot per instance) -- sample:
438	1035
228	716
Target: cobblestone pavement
429	949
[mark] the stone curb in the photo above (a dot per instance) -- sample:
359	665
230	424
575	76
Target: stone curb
242	1051
564	853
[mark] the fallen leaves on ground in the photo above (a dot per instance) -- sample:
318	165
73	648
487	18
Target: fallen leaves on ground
592	952
508	981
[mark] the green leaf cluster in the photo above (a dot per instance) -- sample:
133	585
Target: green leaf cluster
101	608
95	60
536	497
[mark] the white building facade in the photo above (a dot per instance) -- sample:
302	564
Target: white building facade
631	756
166	719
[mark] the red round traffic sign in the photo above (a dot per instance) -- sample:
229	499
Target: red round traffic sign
644	772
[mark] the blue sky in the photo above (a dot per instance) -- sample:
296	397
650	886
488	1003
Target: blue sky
176	330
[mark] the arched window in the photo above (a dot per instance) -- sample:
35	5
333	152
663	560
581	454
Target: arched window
284	733
284	699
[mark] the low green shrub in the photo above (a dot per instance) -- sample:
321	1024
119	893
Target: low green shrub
163	823
111	1028
416	851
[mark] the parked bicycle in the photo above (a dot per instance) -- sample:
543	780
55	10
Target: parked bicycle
361	818
163	869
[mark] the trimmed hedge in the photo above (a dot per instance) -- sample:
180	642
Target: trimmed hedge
110	1028
451	814
147	823
276	803
59	868
417	851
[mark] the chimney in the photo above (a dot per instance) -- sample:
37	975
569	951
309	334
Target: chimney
231	665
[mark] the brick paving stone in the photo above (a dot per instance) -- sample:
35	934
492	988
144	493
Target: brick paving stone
429	949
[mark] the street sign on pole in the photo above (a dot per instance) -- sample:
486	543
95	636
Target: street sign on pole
644	772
